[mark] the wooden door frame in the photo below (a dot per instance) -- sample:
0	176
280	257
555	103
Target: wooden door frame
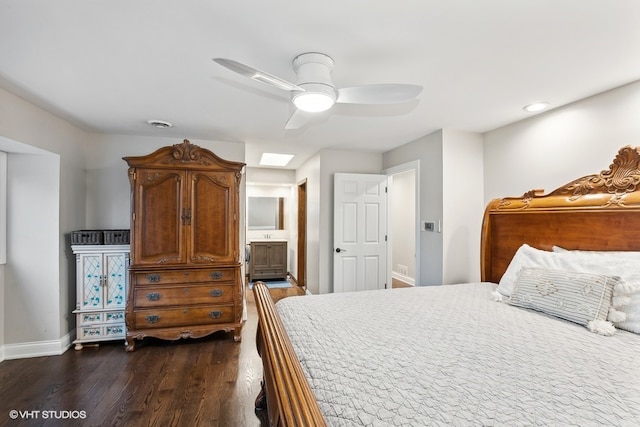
302	234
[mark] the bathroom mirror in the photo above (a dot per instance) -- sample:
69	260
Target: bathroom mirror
265	213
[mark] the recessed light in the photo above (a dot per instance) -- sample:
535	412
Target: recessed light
275	159
535	107
160	124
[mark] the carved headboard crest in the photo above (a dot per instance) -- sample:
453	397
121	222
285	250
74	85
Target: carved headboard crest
610	186
623	175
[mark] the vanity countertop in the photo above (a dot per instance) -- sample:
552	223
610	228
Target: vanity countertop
267	240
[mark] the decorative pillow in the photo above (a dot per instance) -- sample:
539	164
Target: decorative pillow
582	298
625	313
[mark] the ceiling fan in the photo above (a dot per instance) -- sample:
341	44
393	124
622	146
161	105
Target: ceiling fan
314	92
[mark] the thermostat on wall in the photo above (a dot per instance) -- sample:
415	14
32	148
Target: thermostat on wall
428	226
431	226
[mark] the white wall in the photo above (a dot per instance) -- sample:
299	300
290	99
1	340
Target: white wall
270	176
463	206
428	151
28	130
451	197
32	271
403	236
554	148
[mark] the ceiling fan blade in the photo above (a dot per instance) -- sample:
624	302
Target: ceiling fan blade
378	94
255	74
298	119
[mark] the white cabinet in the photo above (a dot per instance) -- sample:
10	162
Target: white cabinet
101	292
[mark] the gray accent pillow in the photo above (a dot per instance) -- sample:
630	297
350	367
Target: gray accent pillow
574	296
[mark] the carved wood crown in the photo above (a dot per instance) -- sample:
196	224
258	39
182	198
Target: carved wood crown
616	186
187	152
187	156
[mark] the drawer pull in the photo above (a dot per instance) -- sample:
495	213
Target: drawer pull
215	314
216	275
153	318
216	293
153	278
153	296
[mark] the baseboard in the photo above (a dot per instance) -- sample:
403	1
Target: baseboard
293	279
1	353
295	283
38	348
408	280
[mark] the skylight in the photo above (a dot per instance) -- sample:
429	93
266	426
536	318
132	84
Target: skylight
275	159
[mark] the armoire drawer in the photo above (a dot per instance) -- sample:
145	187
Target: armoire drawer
100	332
184	316
162	296
89	318
185	276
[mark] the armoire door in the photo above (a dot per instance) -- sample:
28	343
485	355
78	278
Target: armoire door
158	216
213	228
115	280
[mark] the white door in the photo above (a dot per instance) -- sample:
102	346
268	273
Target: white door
359	232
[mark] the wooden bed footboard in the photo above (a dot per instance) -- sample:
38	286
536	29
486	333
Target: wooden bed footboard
288	396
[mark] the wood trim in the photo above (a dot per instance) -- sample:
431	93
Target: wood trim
302	234
290	401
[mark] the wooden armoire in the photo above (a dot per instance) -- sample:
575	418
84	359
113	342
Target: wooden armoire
184	277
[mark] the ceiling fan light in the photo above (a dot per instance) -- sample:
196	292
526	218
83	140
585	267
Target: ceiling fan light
313	102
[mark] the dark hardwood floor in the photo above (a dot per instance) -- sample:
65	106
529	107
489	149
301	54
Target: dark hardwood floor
206	382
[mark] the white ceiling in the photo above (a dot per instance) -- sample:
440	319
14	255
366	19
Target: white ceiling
109	66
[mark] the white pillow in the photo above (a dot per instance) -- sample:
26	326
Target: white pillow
527	256
623	264
627	265
632	312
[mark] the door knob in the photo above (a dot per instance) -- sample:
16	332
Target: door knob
338	250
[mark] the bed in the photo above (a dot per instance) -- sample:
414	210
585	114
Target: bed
549	337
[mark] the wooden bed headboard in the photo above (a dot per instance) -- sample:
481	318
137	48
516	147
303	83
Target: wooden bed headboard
595	212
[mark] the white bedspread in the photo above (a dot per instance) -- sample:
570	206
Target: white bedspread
450	355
